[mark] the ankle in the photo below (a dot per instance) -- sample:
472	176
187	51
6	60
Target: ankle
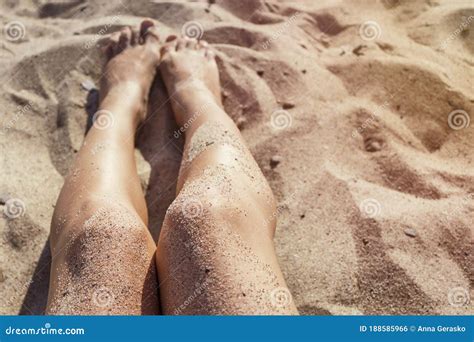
132	91
125	102
192	102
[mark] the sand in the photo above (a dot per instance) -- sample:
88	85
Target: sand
366	106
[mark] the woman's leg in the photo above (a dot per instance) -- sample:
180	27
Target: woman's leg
103	254
215	253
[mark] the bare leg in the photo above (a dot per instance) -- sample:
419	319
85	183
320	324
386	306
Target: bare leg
103	254
215	253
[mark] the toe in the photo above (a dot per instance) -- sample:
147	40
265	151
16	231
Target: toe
152	36
181	44
144	26
112	46
191	43
114	38
125	38
170	38
135	37
202	44
202	47
210	55
167	48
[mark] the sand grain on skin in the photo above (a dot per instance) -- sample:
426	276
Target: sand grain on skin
108	255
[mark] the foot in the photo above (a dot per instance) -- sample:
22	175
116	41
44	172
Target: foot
132	58
189	70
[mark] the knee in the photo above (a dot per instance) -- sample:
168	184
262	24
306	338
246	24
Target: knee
200	207
101	224
107	247
189	209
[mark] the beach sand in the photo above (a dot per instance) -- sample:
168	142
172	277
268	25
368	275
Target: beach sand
358	113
